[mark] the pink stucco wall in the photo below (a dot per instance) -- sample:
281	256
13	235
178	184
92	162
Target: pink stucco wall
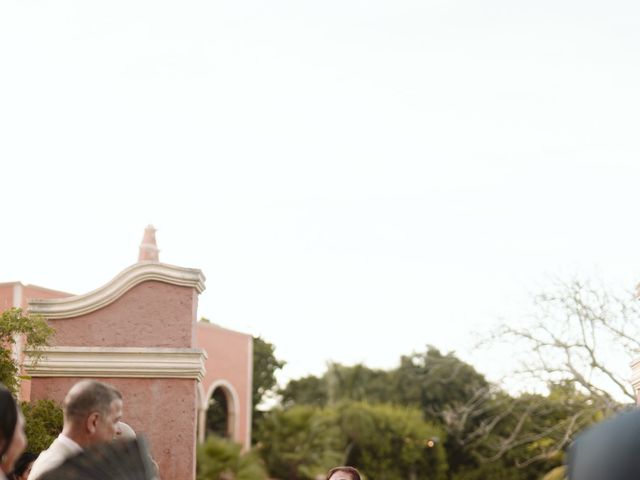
230	360
169	425
6	296
33	291
151	314
25	292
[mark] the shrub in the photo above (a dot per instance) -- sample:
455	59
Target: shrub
220	459
43	423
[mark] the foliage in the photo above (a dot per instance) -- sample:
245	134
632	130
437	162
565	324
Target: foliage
340	383
358	383
432	381
217	414
575	348
390	442
498	470
299	443
448	391
385	442
309	390
265	366
36	332
488	433
219	459
43	423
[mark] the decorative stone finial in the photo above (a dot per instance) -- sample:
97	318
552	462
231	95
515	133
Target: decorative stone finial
148	248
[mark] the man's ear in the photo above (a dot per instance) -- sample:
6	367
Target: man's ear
92	422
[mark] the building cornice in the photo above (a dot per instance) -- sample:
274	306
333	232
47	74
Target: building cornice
140	272
124	362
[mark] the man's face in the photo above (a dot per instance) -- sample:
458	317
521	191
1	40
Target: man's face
107	425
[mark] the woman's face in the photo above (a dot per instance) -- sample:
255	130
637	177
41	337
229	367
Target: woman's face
340	475
16	447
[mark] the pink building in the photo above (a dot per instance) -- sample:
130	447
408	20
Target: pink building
140	333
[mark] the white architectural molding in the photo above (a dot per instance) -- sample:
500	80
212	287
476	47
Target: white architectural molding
140	272
247	438
635	376
128	362
202	414
18	288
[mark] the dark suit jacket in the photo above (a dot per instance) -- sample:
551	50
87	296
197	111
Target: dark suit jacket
608	451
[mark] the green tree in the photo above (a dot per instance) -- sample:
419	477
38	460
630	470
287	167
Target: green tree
390	442
449	393
220	459
431	381
340	383
217	415
309	390
488	433
299	443
434	383
43	423
265	366
385	442
358	383
36	332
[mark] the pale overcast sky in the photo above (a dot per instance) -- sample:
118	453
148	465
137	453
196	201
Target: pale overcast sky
356	179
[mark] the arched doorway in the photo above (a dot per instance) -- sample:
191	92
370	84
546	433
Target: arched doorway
221	411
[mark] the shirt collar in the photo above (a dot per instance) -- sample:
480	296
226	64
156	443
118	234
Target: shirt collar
70	444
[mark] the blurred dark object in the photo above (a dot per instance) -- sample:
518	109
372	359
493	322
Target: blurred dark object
608	451
121	460
22	465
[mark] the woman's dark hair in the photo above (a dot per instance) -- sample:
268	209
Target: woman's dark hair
8	418
355	474
26	459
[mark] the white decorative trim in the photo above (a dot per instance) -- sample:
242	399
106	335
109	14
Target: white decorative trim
128	362
635	376
249	400
127	279
202	414
18	339
17	294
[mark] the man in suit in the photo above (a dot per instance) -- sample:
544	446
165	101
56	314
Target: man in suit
608	451
92	412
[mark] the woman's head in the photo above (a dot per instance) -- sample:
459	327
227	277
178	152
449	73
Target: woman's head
343	473
12	438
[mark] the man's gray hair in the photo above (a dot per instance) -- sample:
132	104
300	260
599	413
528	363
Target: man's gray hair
89	396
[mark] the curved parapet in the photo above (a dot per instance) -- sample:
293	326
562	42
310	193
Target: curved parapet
75	306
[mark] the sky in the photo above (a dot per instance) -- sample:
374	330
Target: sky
356	179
